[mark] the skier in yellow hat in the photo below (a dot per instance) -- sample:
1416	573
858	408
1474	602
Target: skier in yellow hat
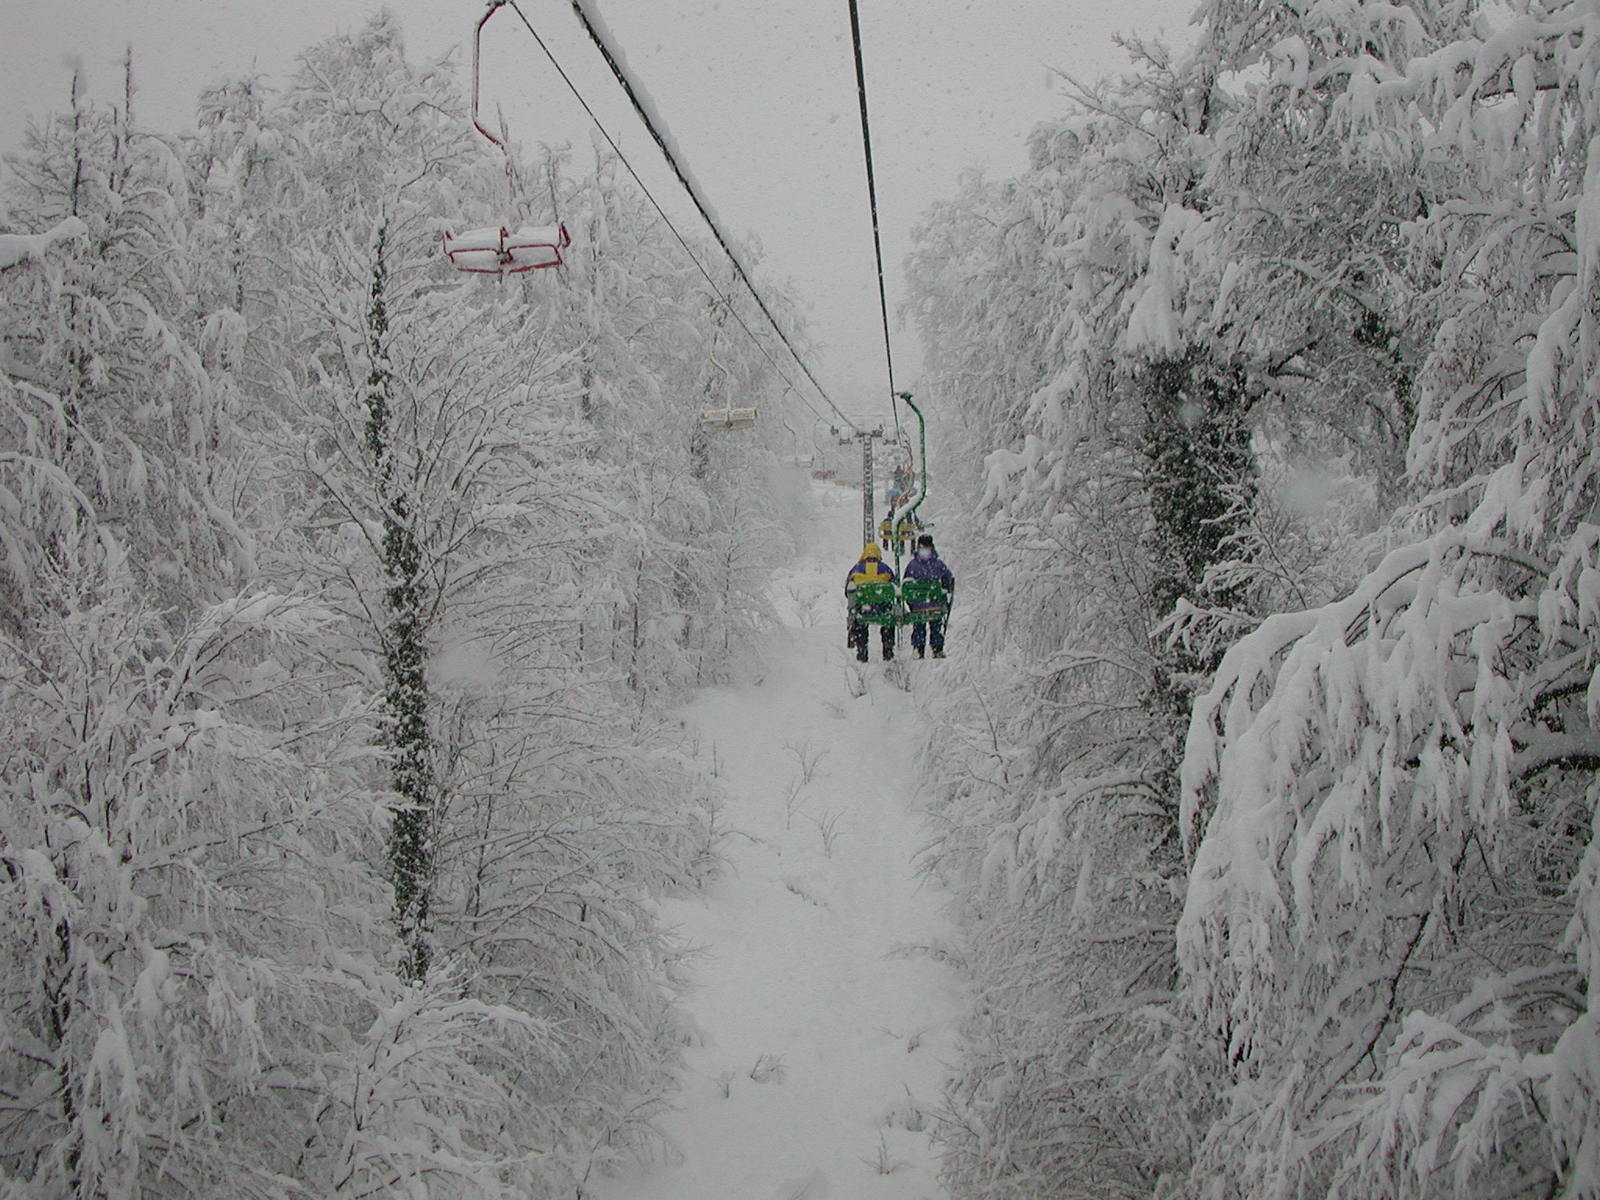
872	571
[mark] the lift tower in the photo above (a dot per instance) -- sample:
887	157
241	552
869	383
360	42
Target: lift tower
866	437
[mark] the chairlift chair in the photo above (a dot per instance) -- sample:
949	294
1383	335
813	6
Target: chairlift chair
496	250
876	604
925	600
898	534
725	420
501	252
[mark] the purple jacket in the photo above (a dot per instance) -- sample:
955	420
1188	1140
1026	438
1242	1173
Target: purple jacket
931	568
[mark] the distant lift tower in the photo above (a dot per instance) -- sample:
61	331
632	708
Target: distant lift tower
866	437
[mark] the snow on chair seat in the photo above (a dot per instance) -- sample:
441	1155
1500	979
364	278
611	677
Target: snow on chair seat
727	418
498	251
476	250
533	247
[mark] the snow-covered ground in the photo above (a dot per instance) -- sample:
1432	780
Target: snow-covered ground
825	1023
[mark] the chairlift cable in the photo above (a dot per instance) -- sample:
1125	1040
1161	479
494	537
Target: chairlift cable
666	220
872	201
666	152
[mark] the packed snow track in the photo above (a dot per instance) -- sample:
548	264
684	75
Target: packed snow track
825	1016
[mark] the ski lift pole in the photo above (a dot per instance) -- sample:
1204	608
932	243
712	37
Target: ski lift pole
865	437
922	486
866	491
922	475
494	6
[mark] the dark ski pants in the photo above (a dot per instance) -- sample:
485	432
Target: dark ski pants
859	640
933	632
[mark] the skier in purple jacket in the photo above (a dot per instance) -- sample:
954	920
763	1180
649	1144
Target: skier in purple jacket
928	565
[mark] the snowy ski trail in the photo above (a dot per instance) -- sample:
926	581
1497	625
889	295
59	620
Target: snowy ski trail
822	1022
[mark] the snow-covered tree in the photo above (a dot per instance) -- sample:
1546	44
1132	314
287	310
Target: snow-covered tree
687	517
1234	295
332	821
1389	922
1119	475
116	330
451	500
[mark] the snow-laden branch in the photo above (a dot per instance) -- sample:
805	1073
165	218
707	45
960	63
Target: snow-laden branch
18	248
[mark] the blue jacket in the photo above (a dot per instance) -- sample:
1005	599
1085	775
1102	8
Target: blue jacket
931	568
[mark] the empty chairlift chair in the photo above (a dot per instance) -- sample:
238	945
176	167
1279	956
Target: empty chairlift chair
497	250
725	420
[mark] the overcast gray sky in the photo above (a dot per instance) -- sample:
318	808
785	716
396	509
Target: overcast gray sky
760	95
